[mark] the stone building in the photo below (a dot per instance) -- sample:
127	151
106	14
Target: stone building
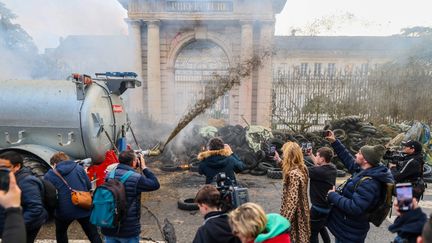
176	45
179	44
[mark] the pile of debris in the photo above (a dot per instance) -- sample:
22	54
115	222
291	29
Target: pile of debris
255	145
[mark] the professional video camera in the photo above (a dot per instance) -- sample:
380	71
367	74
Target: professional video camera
393	156
232	196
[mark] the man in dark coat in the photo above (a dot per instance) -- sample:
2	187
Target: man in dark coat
322	178
66	212
411	168
408	225
215	228
35	215
136	183
348	220
219	158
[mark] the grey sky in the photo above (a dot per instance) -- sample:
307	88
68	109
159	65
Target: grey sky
47	20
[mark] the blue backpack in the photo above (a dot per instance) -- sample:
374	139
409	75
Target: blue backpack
109	202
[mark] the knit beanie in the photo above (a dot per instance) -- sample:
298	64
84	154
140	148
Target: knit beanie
373	154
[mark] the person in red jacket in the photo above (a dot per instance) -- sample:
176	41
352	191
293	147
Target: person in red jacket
250	223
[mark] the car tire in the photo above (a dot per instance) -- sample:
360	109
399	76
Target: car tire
169	168
340	173
427	170
274	173
257	172
265	166
187	204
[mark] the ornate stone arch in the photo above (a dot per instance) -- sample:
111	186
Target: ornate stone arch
190	36
180	89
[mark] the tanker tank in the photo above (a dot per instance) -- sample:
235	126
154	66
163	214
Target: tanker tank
80	116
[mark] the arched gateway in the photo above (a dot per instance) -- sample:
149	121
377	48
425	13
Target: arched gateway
180	43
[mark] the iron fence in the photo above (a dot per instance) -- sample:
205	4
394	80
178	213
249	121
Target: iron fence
305	101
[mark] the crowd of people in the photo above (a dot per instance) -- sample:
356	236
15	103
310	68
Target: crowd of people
342	210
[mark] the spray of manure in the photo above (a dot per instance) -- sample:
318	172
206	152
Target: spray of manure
224	83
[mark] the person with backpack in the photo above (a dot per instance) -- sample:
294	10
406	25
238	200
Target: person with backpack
322	178
34	213
348	218
129	228
215	228
66	212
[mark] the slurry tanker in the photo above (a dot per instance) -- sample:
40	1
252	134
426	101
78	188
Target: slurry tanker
80	116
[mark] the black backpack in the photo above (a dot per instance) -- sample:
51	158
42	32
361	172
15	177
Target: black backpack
379	212
49	196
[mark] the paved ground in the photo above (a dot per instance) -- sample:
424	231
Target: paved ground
162	204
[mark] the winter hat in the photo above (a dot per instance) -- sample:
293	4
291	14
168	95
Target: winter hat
373	154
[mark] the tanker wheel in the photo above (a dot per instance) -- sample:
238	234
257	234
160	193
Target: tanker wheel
37	167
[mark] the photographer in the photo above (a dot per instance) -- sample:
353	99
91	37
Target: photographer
410	169
348	219
215	227
219	158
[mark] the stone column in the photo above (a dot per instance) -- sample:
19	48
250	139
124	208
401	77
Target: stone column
153	71
265	79
135	98
245	90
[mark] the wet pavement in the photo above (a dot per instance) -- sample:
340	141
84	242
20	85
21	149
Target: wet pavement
162	204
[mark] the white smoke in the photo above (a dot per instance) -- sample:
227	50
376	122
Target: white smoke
48	20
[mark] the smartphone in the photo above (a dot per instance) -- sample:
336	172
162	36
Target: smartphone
4	179
304	147
326	133
272	149
404	194
309	148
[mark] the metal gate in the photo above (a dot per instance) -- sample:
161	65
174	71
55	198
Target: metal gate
195	67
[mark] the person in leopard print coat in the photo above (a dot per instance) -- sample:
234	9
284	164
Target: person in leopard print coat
295	203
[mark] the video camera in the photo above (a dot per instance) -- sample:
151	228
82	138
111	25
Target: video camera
231	195
394	156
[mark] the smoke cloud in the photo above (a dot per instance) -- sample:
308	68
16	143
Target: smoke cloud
47	20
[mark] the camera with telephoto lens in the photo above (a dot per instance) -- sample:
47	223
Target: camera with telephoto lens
84	162
393	156
231	195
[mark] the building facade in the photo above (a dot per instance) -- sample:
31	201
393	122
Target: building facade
177	47
180	44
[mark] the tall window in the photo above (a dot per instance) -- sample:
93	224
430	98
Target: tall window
303	68
364	69
331	69
317	69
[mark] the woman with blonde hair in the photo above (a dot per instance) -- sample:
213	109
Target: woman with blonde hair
250	223
295	204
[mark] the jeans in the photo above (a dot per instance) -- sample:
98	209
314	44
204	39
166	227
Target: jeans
112	239
318	221
89	229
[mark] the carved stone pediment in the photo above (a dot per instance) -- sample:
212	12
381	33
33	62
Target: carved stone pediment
212	9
